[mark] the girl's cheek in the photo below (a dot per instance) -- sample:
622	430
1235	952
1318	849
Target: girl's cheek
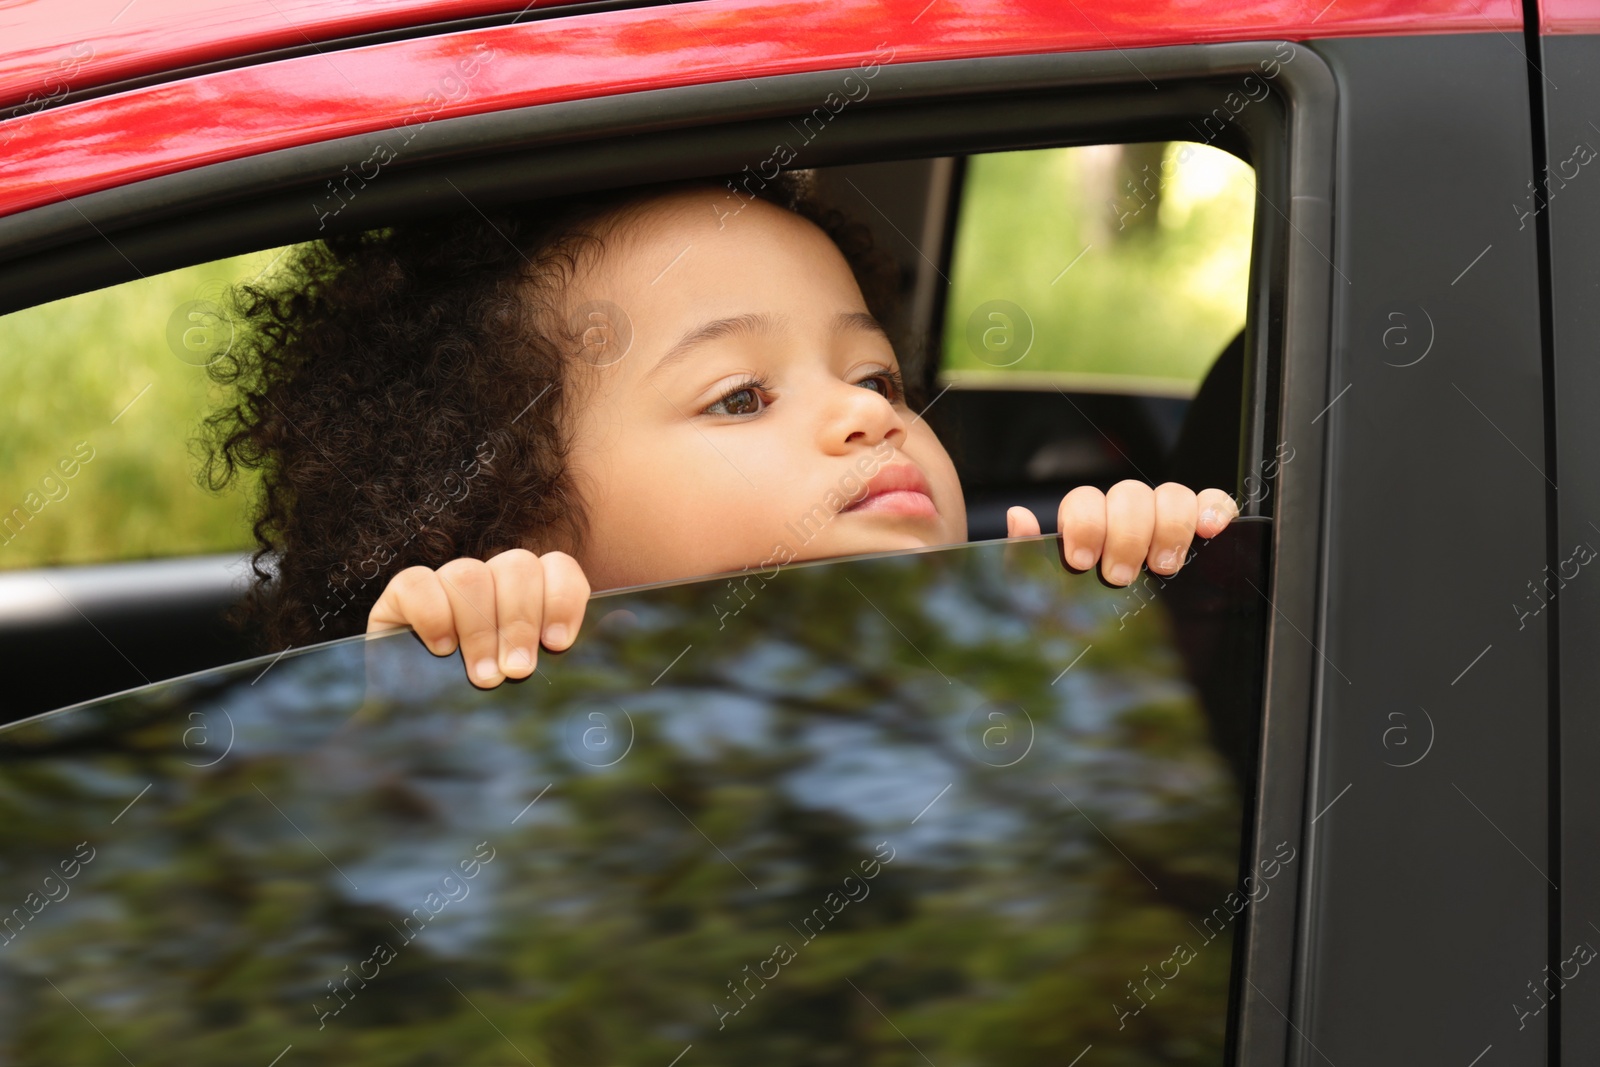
952	501
938	460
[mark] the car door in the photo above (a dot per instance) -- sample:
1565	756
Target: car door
928	110
1561	212
1430	804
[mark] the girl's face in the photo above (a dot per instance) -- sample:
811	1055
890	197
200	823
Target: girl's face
755	415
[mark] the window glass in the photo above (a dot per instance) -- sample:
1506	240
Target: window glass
950	806
1121	267
103	393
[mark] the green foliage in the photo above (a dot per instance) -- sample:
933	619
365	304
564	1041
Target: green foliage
1159	291
98	370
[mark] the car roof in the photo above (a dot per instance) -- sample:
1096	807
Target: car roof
134	38
86	145
130	39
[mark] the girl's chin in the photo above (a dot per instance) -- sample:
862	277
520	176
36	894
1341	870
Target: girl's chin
887	534
888	538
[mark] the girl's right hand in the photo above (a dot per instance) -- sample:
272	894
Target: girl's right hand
498	611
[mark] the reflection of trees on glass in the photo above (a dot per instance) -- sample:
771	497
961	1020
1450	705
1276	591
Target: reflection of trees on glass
866	815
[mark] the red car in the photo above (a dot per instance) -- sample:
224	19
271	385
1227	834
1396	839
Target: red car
1328	803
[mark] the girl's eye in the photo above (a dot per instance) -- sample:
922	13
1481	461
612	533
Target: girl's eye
745	400
887	384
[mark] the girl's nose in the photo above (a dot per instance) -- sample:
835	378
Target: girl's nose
857	415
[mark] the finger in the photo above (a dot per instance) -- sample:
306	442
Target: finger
566	598
518	607
1130	522
415	598
1174	527
1020	522
470	586
1217	509
1082	522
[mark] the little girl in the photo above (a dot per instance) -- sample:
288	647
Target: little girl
491	416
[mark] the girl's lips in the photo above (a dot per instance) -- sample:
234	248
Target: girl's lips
899	502
899	489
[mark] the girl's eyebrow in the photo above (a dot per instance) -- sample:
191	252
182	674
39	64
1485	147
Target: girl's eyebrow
750	323
756	323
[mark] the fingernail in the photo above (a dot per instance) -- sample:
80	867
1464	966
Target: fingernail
1209	517
555	634
520	657
1121	574
486	670
1082	559
1167	560
442	648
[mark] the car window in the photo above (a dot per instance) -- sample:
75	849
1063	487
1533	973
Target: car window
1118	267
950	805
1106	269
1093	330
105	391
116	384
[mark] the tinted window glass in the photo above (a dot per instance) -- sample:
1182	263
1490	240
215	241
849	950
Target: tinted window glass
953	806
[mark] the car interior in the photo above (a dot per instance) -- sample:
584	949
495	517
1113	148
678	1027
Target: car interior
75	633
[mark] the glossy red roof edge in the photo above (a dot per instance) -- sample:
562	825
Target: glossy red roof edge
110	141
1569	16
52	46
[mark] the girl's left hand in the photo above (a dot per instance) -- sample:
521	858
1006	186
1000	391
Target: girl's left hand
1130	525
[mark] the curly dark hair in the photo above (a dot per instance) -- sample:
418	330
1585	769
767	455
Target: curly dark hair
401	393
